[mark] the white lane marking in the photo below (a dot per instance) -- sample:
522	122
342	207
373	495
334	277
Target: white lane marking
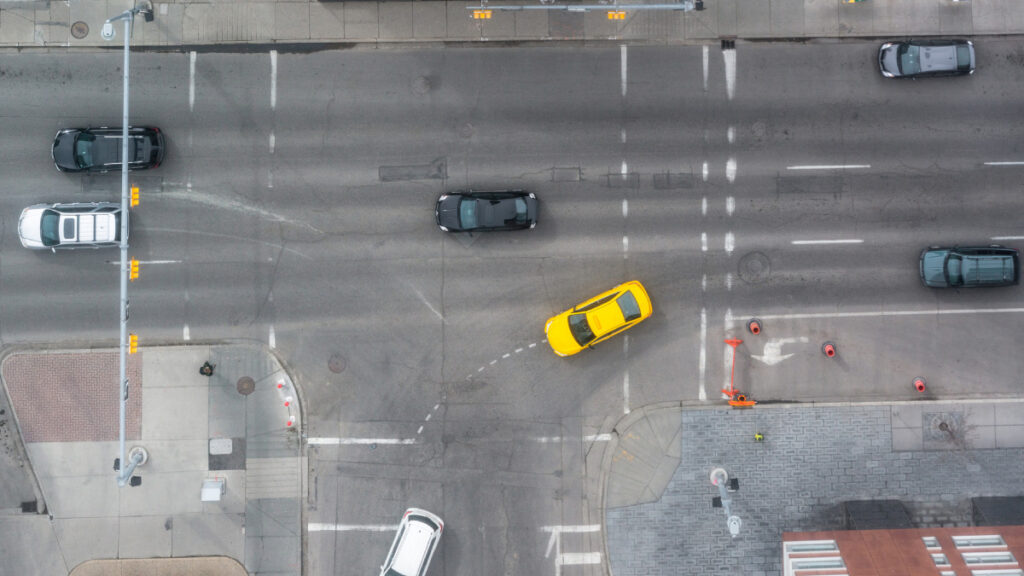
843	241
424	300
532	345
704	206
1004	163
730	134
729	57
191	81
493	362
321	527
829	167
623	59
730	170
480	369
704	282
273	141
270	177
703	241
574	558
706	55
730	242
622	135
185	334
1007	238
888	313
625	246
625	208
625	169
728	281
702	359
556	532
730	205
429	416
419	430
506	355
625	392
772	354
704	171
273	79
518	350
325	441
272	340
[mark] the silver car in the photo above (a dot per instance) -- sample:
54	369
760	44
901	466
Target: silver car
414	545
926	58
72	225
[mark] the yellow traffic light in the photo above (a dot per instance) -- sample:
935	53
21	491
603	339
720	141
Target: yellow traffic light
134	272
135	196
616	15
481	14
133	343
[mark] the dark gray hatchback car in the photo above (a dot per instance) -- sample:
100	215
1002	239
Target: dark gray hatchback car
968	267
926	58
486	211
99	149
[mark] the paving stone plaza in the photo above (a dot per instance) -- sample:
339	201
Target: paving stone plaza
810	461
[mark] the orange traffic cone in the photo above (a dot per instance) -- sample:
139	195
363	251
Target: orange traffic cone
919	384
754	326
829	349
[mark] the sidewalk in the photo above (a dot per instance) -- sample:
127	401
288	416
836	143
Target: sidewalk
232	426
933	456
41	23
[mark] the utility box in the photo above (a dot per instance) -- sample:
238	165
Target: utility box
213	489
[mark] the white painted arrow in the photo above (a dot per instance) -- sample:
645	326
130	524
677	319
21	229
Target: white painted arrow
773	349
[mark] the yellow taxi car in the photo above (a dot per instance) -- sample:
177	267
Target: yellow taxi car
598	319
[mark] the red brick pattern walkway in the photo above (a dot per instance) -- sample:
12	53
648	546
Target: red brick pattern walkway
72	397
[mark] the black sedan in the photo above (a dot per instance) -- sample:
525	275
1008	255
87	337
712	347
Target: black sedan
966	267
925	58
485	211
99	149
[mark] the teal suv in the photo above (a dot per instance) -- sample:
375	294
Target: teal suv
967	267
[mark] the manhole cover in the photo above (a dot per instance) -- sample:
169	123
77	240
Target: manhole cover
943	426
754	268
336	364
246	385
79	29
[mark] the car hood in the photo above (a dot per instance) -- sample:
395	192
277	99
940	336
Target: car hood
64	151
933	264
888	60
560	337
29	227
447	212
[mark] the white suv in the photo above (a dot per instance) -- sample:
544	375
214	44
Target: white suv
414	545
73	225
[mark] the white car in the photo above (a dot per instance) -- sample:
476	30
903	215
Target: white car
73	225
414	545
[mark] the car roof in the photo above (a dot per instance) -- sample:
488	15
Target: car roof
414	547
938	58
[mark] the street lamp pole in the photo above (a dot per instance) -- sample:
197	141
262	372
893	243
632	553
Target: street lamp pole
125	468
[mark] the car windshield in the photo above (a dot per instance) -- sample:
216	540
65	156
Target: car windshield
954	267
963	57
909	59
629	306
520	210
580	329
83	150
48	228
467	213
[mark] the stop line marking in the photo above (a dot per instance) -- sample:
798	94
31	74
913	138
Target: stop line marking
884	313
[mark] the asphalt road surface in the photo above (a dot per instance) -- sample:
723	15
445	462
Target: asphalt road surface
295	208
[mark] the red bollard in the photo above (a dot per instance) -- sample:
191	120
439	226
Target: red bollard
919	384
754	326
828	349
